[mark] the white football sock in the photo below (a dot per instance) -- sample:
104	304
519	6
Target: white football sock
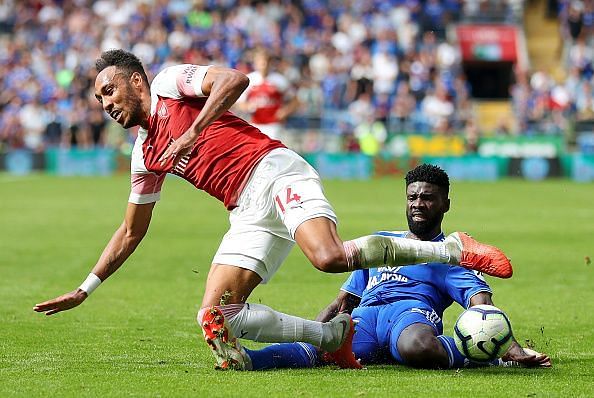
258	322
376	250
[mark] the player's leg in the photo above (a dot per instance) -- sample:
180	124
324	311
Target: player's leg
245	259
258	322
419	347
310	219
415	339
409	329
228	284
225	315
286	355
318	239
366	346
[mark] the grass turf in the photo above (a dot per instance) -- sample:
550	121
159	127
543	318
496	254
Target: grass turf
136	336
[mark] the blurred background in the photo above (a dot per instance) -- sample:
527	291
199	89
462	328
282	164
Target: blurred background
484	88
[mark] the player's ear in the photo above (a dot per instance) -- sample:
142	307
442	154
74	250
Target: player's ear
136	80
447	205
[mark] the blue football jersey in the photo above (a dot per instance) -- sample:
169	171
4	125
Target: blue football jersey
436	284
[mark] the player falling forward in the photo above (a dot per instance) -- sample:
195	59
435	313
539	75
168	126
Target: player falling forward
275	199
398	310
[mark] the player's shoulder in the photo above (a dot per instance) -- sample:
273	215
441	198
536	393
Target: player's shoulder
168	73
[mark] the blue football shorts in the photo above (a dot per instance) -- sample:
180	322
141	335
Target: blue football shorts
378	328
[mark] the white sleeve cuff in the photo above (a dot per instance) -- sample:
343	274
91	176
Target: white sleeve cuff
144	199
198	79
90	284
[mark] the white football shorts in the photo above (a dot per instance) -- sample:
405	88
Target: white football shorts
283	192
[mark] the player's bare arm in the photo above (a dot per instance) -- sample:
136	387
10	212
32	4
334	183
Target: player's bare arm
344	302
515	352
288	109
223	86
121	245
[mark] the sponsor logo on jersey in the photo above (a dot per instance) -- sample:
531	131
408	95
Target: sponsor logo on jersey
163	113
387	274
189	71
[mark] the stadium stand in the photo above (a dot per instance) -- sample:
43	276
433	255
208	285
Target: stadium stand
363	70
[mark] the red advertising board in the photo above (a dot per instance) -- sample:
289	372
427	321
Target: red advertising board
488	42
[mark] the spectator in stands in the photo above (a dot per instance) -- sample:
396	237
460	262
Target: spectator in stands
370	47
437	109
269	98
402	109
584	102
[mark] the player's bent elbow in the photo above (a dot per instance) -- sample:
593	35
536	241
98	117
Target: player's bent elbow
243	82
239	79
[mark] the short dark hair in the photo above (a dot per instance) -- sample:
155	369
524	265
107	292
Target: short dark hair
431	174
123	60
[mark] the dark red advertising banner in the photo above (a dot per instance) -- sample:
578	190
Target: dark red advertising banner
488	42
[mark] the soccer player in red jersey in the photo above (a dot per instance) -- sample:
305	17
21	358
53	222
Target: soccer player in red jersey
269	98
275	199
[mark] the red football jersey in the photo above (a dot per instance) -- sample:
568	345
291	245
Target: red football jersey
223	157
266	95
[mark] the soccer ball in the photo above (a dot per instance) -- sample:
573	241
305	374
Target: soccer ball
483	333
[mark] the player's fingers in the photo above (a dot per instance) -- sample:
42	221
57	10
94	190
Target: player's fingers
529	359
165	156
172	150
545	361
42	307
178	157
53	311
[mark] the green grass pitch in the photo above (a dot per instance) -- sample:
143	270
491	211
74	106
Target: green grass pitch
136	335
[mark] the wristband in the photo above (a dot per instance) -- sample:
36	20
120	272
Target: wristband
90	284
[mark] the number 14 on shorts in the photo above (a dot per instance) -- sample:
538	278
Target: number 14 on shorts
284	198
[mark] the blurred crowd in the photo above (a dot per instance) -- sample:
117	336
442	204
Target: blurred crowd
358	67
543	104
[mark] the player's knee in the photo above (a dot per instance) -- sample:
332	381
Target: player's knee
421	351
329	259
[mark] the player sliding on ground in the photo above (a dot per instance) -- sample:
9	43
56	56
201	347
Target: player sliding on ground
398	310
275	199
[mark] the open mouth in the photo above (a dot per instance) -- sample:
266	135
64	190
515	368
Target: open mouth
116	115
418	217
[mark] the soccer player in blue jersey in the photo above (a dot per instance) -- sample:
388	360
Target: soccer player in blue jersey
398	310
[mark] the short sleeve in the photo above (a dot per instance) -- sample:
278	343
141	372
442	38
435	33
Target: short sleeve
356	283
180	81
462	284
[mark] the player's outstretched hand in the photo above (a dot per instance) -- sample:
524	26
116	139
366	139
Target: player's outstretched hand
527	357
179	148
62	303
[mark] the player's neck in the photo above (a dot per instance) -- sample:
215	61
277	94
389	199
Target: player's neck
429	236
145	99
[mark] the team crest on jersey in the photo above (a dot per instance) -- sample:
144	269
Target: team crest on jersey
163	111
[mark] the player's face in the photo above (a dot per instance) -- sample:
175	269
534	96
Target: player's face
118	97
425	207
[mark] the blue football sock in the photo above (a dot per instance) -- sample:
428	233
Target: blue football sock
457	360
285	355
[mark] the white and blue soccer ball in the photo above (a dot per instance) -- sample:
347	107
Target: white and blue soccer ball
483	333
